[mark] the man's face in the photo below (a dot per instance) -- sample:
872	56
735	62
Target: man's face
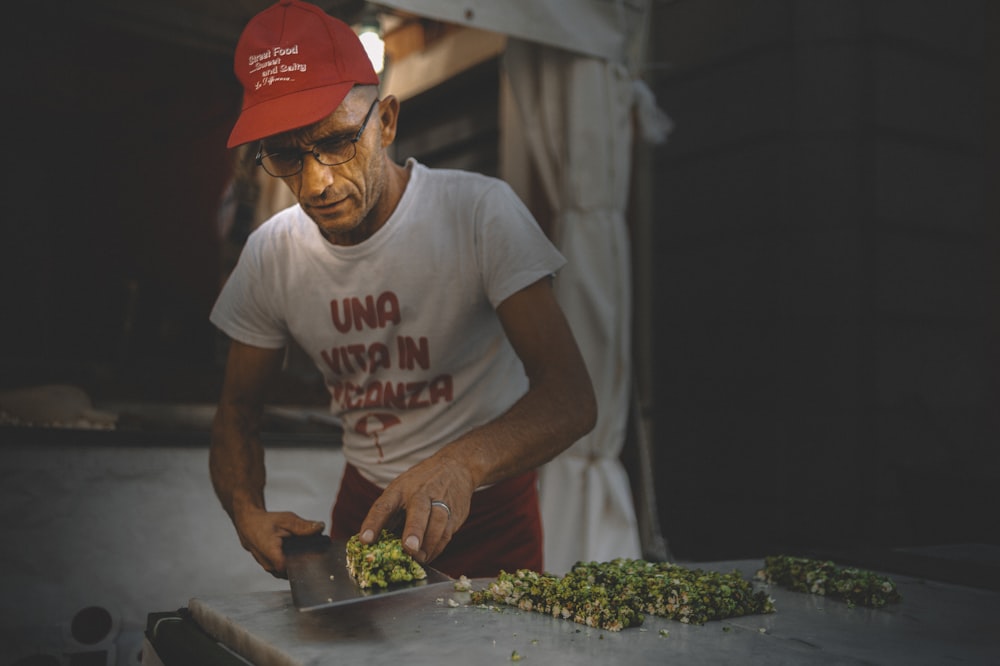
340	199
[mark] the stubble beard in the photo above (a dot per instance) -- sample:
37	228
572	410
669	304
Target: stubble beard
368	214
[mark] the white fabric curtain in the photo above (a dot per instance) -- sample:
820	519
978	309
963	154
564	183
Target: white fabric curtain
573	122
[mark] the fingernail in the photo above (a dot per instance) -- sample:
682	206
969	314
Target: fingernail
412	542
367	536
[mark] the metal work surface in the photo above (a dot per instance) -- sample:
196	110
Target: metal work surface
935	623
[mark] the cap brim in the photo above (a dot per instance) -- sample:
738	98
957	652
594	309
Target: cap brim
287	113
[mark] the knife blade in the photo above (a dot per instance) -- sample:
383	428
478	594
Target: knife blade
318	576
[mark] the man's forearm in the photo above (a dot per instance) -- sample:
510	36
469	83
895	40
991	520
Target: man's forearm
546	421
559	406
236	460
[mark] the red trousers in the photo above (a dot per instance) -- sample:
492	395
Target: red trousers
503	530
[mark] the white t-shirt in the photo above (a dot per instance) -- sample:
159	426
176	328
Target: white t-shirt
403	325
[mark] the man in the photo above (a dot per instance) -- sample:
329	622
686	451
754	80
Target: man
424	298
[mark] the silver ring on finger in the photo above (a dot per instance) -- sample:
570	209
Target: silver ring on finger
442	505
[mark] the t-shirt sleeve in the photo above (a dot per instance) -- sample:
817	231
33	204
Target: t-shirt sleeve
245	309
513	251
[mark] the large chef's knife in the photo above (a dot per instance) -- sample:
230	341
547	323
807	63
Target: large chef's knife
317	573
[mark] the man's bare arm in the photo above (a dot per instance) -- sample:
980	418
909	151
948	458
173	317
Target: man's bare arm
236	457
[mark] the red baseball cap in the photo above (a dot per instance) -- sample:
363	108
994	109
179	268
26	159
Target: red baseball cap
296	64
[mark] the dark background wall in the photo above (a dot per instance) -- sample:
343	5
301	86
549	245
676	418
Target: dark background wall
116	166
826	292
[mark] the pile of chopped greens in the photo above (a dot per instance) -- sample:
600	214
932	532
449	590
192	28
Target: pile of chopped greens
855	586
381	563
614	595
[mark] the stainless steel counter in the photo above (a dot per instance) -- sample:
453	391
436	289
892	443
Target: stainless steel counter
935	623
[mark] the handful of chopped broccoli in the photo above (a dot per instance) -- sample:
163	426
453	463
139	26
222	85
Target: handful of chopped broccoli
381	563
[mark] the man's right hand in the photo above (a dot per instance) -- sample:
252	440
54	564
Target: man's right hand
236	457
261	533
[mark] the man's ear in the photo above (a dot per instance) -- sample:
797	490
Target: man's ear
388	111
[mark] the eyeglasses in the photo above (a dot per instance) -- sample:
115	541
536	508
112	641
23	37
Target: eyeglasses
328	152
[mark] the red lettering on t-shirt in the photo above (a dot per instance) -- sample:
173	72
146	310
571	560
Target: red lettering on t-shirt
332	359
393	395
357	352
416	391
368	312
440	389
378	357
353	395
373	395
413	352
388	309
370	359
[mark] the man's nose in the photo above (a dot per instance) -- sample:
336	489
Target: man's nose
316	177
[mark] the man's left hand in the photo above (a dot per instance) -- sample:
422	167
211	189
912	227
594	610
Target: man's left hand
435	496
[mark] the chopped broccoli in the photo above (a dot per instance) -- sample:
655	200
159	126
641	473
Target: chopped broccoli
381	563
849	584
614	595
